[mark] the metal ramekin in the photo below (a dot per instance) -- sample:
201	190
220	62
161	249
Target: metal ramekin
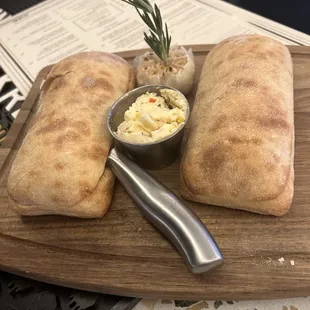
155	155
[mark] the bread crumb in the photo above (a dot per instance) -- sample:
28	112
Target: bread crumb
281	260
292	262
139	229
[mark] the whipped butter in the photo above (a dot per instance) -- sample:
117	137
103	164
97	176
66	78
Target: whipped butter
153	117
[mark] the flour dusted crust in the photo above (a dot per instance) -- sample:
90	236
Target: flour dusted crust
60	167
240	150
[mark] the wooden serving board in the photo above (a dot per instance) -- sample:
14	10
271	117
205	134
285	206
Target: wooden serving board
123	254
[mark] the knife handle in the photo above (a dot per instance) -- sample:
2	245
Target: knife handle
169	214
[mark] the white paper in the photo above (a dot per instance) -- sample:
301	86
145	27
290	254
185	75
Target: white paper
58	28
3	14
292	36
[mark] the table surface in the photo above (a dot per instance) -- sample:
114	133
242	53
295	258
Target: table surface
282	304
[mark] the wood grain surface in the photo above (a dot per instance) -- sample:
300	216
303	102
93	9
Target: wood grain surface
123	254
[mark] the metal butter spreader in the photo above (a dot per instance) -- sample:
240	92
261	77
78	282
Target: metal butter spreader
165	210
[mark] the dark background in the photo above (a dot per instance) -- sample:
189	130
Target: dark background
292	13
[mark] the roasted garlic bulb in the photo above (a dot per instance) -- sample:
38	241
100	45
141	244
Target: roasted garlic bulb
178	73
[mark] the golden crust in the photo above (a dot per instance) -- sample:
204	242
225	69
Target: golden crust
240	148
62	159
93	206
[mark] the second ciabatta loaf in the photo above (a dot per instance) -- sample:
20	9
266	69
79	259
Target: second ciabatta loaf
240	150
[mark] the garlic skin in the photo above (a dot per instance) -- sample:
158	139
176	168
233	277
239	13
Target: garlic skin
179	74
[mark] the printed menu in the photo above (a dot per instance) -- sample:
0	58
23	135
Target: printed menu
54	29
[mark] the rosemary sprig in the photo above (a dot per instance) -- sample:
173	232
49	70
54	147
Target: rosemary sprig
159	39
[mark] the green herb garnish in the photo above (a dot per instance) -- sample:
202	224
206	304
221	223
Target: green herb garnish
159	39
